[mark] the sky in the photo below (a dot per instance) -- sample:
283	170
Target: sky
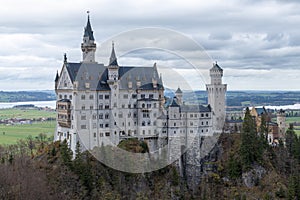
257	43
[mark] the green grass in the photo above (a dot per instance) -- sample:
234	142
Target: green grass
13	133
26	114
292	119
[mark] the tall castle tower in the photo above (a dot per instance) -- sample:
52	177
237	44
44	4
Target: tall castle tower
281	123
88	46
216	97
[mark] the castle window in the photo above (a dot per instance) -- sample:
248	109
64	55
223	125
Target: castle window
191	115
143	123
191	131
206	114
91	107
83	117
106	125
101	106
94	116
129	105
123	105
65	96
94	135
154	105
100	96
174	124
83	108
143	132
154	123
91	96
83	126
106	106
120	115
83	97
101	134
202	130
191	123
107	134
106	116
143	105
154	114
101	125
125	96
106	96
70	96
206	122
134	115
134	96
149	123
142	96
202	115
60	96
101	116
148	105
134	105
150	96
202	123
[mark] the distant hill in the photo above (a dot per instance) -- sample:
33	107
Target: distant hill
21	96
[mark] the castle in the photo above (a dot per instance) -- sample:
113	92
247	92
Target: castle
102	105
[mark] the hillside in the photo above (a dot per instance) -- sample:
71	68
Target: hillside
50	174
22	96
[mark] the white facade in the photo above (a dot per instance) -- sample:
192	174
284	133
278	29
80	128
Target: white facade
216	97
102	105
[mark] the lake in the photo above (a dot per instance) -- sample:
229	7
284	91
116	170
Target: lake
50	104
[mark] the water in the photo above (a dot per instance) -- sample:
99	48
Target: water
50	104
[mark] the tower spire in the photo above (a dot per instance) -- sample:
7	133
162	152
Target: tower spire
88	32
113	59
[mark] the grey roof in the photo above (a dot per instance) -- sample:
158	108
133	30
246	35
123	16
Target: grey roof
143	75
178	91
56	77
96	75
216	67
174	103
195	108
113	59
88	32
64	100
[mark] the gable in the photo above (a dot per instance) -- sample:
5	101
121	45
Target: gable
64	81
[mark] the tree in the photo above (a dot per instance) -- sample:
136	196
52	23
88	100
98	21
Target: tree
66	154
251	148
293	142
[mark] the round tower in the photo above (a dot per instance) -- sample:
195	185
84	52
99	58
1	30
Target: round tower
281	121
216	97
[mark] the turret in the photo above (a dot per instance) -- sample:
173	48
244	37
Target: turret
113	67
178	95
281	117
88	46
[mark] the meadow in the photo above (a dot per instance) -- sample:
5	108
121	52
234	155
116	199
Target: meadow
25	113
10	134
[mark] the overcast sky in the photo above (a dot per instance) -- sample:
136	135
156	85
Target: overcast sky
257	43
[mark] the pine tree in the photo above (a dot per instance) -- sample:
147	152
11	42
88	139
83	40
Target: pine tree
66	154
251	148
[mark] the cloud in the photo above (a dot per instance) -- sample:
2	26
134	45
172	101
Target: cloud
242	35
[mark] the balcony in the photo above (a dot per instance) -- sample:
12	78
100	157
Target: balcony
64	113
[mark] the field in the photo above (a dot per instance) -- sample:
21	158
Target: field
25	113
10	134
